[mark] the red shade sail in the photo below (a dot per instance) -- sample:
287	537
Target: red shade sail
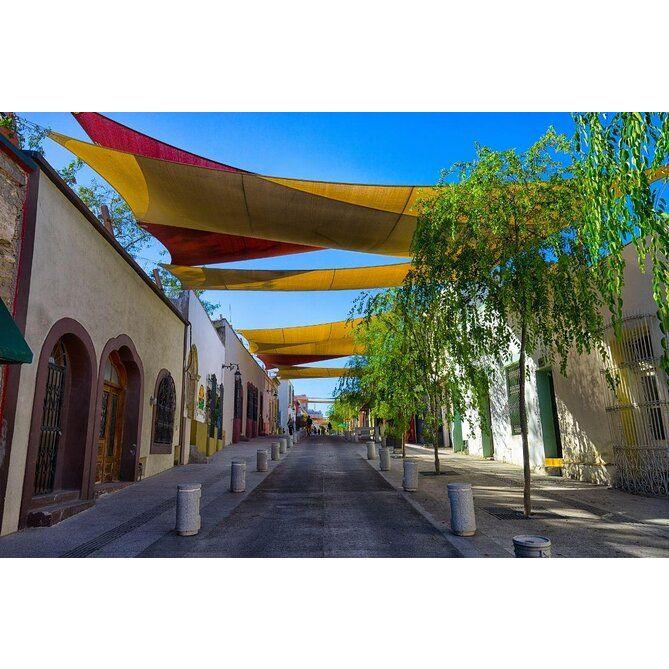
186	246
284	360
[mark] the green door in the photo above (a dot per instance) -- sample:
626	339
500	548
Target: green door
548	414
458	444
486	430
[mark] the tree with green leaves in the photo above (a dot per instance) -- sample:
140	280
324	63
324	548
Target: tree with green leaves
621	168
499	252
385	379
407	364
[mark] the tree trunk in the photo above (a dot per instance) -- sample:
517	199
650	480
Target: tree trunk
522	411
434	434
404	445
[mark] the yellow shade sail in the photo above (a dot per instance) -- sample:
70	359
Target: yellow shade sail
353	278
190	198
356	217
333	348
287	373
301	334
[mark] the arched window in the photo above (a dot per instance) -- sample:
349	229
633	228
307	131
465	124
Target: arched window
165	406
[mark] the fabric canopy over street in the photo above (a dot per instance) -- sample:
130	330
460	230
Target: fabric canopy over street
192	194
301	334
278	347
13	347
209	278
205	212
186	247
287	373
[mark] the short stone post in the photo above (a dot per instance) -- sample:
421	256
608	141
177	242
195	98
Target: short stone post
528	546
188	509
463	519
371	450
283	445
262	461
276	449
384	459
238	476
289	441
410	480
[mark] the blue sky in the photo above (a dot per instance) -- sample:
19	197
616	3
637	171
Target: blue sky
388	148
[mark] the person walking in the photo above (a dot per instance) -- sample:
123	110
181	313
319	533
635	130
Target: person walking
290	425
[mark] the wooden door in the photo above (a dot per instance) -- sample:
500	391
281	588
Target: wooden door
111	427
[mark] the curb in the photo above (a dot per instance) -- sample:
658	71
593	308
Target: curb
461	545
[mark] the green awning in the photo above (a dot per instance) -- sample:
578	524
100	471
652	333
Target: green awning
13	347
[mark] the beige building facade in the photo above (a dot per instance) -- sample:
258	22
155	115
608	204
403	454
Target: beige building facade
100	405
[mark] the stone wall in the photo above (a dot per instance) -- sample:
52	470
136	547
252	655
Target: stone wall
13	192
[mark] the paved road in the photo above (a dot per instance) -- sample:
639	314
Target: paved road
323	501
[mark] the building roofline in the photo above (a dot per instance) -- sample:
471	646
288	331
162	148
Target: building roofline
224	320
41	162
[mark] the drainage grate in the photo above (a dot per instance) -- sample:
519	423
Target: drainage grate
443	472
104	539
538	513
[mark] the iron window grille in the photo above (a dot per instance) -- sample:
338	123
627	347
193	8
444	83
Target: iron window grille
165	407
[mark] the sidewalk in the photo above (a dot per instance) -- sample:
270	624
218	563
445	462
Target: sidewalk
127	522
581	519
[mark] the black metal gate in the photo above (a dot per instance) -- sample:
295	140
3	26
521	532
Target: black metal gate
51	429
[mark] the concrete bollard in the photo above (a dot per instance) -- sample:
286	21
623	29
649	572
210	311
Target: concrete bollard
410	479
238	476
276	449
528	546
262	460
289	442
188	509
283	445
371	450
463	519
384	459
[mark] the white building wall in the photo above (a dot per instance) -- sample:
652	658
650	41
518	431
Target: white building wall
580	402
250	370
286	405
507	446
210	349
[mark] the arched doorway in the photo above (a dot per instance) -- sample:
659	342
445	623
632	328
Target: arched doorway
118	416
110	433
60	440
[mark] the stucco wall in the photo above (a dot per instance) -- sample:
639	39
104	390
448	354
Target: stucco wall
286	407
580	401
580	396
236	352
508	447
210	348
77	273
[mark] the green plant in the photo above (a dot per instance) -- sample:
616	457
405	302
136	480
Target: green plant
499	255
